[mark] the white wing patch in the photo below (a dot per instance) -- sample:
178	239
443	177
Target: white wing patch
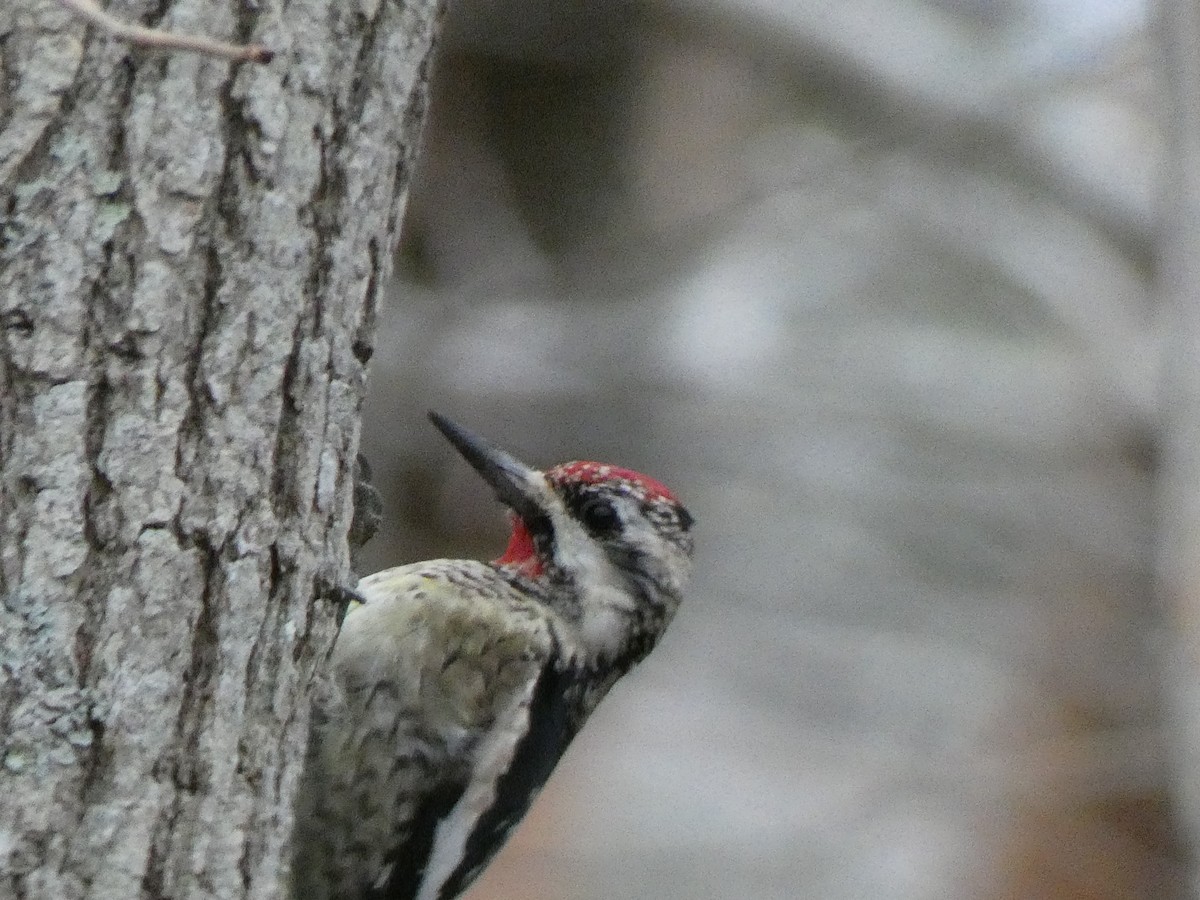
464	656
493	759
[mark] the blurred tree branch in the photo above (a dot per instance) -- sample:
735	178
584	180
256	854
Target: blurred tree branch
1179	484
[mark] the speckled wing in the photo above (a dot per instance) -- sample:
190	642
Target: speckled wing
452	705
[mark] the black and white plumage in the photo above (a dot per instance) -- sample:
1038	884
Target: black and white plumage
458	684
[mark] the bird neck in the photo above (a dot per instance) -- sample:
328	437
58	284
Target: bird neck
613	627
613	623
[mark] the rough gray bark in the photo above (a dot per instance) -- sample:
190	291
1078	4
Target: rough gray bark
1179	492
189	264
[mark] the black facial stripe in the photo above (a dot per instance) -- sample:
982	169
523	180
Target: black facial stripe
593	509
541	530
599	517
539	526
685	519
668	517
627	559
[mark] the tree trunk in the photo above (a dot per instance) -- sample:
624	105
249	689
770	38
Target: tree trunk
190	258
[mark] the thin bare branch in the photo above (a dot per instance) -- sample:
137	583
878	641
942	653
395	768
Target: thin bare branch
165	40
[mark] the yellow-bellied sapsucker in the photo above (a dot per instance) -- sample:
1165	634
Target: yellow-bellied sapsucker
458	684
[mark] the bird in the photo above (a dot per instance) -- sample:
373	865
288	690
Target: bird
456	685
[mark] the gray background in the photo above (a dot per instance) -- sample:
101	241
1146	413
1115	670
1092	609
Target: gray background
868	283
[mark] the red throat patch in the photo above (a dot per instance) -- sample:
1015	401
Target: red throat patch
520	554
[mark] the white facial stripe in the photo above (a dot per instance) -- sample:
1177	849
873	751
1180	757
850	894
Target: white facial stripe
578	552
606	604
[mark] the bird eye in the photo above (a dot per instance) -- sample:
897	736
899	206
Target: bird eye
599	517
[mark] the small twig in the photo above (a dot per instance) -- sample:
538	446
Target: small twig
165	40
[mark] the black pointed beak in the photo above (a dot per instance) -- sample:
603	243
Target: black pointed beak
516	485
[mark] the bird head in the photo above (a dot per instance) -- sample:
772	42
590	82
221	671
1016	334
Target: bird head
613	546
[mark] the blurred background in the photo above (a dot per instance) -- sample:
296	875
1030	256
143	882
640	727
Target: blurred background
869	284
